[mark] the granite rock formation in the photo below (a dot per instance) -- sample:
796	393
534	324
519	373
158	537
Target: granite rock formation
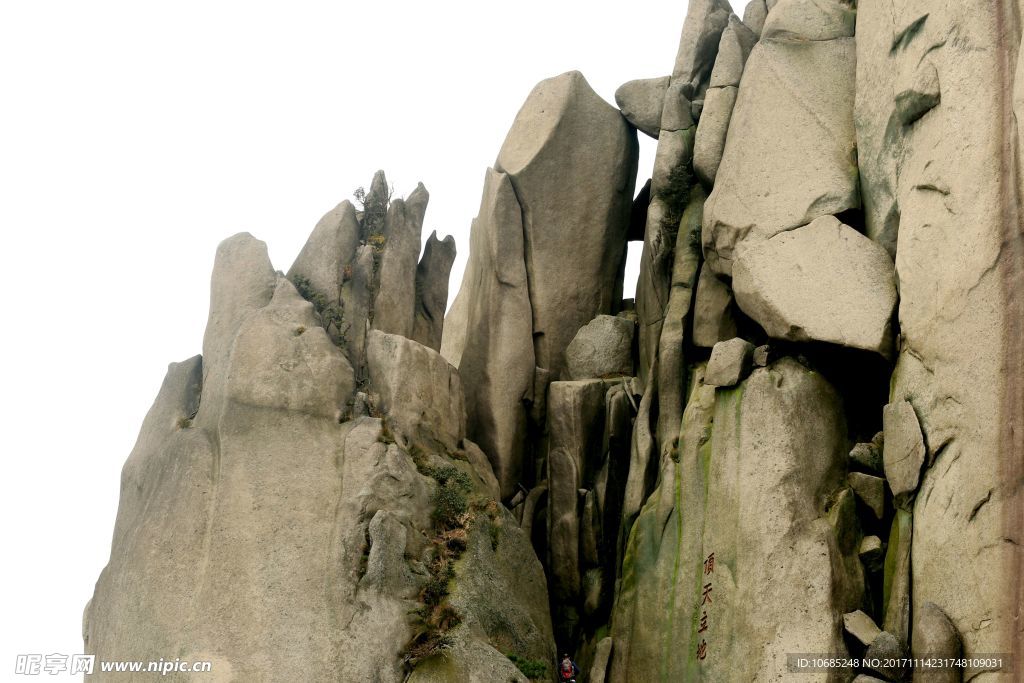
803	436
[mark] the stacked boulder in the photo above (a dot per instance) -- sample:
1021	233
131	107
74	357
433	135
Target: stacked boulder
562	184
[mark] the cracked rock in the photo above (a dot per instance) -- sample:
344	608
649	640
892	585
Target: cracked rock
904	451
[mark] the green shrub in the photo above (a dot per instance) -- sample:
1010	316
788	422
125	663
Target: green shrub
450	505
531	668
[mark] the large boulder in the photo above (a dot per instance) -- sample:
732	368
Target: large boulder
730	363
571	158
602	348
328	251
822	282
904	452
418	390
791	156
488	334
739	531
640	102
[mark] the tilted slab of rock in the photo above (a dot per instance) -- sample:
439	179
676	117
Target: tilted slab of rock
698	45
904	451
861	626
432	275
572	159
641	101
488	333
822	282
602	348
896	588
709	145
791	157
330	249
733	49
744	509
418	391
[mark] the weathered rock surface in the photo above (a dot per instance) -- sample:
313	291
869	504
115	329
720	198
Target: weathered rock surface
709	145
418	391
602	348
904	451
698	45
331	247
492	318
772	545
814	20
867	456
243	281
935	636
602	655
640	102
754	15
822	282
695	57
861	626
394	304
730	362
432	290
262	519
955	189
792	156
671	368
576	412
575	199
713	319
889	654
871	490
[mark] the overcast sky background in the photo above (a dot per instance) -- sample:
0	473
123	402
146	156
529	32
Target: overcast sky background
134	136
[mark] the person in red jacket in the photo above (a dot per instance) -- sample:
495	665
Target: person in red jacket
567	670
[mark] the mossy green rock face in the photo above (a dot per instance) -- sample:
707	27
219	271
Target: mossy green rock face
733	562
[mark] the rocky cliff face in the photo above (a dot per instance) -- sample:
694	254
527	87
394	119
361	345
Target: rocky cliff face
803	437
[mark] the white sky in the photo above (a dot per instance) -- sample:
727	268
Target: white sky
134	136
